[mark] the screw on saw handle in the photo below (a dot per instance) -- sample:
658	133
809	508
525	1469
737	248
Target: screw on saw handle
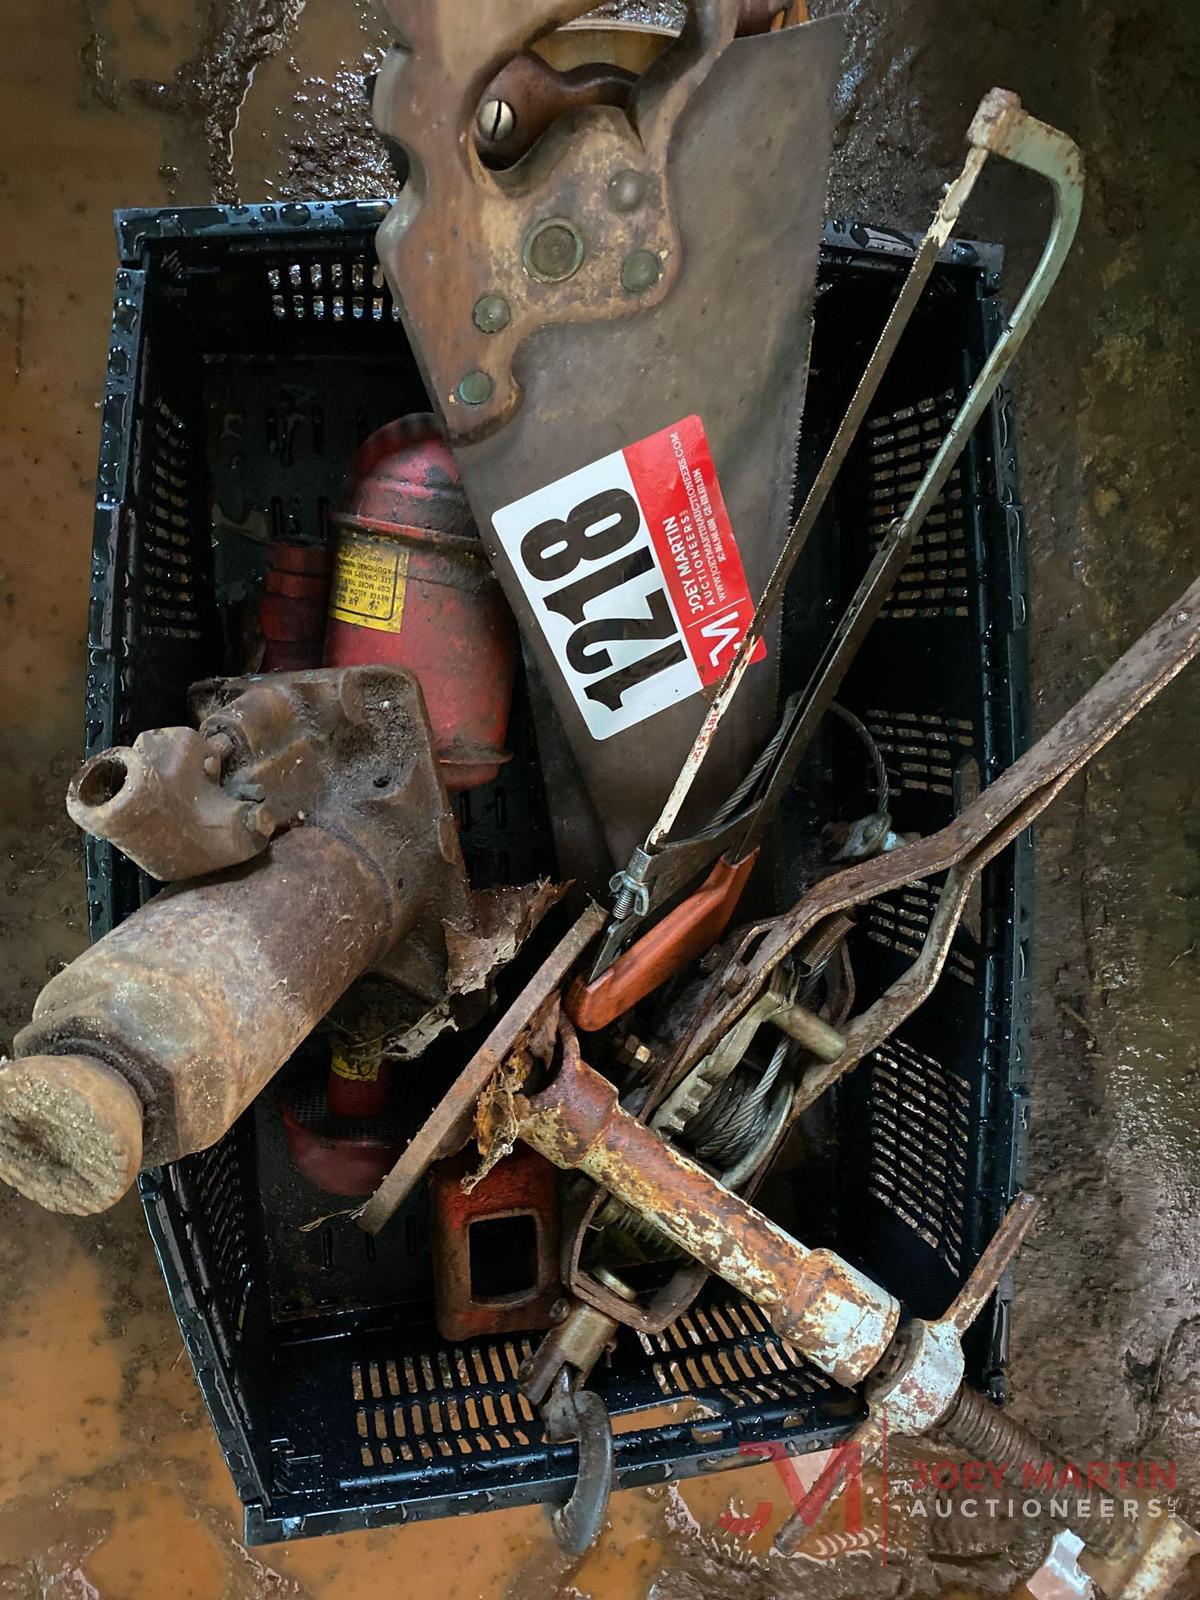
681	936
528	94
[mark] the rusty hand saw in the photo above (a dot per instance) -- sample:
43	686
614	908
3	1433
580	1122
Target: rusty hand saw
615	333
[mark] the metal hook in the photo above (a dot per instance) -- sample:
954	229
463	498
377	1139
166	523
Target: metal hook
581	1414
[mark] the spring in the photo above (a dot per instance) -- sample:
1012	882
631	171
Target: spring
637	1230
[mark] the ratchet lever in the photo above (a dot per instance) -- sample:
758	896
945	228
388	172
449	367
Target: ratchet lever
960	851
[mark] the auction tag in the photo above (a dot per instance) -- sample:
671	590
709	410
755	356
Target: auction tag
633	573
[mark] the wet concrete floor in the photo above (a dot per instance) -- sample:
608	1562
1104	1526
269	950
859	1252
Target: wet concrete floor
112	1482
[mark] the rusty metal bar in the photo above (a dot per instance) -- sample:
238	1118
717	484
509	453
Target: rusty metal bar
1157	1568
449	1124
1003	810
840	1319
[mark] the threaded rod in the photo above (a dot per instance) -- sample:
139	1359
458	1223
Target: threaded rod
985	1433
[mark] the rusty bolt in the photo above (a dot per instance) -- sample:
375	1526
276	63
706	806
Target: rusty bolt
260	820
496	121
811	1031
631	1052
625	189
553	250
736	978
221	746
640	270
491	313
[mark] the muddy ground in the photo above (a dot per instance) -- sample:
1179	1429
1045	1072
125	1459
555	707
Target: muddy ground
112	1482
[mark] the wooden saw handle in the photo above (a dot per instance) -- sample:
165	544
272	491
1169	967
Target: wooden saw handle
461	234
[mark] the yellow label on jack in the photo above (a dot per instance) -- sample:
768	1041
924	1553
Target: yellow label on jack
356	1071
369	581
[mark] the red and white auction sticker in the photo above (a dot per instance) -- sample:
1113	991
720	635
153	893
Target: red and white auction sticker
633	573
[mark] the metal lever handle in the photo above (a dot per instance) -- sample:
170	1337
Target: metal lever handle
920	1392
961	850
994	1262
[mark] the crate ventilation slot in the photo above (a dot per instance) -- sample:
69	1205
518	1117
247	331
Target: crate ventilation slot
922	750
212	1193
462	1400
458	1400
324	290
900	921
730	1350
919	1119
901	444
481	817
166	602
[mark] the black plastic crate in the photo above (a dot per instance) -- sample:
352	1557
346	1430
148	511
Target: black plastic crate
252	349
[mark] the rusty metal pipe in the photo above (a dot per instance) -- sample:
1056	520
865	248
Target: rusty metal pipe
195	1002
836	1316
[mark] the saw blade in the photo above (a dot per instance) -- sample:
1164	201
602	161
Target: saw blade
635	493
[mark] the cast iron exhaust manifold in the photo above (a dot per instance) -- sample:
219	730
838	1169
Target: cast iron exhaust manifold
309	810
